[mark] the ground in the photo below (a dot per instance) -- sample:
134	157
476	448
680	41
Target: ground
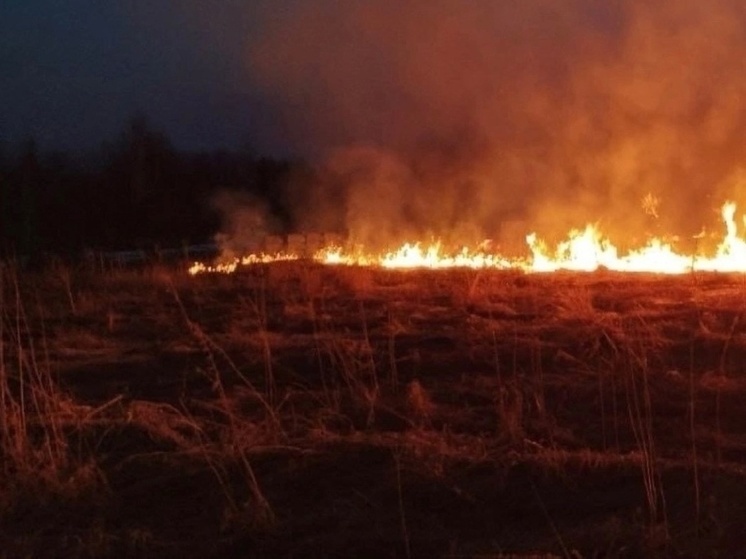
297	410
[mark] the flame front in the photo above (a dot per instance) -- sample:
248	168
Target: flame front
414	255
584	250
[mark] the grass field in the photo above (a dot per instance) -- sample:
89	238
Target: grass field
297	410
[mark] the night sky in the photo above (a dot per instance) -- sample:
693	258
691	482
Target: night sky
74	71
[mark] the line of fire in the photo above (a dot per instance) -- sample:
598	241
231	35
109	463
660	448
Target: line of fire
584	250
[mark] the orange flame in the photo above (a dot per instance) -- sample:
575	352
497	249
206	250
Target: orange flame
584	250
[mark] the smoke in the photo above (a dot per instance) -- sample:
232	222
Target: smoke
247	222
483	118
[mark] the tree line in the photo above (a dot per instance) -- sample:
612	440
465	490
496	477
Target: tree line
137	193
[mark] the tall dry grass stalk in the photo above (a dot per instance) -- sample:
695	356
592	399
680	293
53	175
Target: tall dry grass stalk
347	362
402	515
258	307
212	352
63	272
34	413
640	412
236	446
692	431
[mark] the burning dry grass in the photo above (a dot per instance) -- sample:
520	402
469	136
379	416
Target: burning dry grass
583	250
297	409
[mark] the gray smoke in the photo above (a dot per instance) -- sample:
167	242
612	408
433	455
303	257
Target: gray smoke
486	119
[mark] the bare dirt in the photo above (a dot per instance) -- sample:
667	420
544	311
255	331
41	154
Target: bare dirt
295	410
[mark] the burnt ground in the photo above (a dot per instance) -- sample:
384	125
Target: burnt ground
295	410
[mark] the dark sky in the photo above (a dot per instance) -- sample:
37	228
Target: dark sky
74	71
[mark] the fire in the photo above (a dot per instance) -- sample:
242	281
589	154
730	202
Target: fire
230	266
584	250
588	251
414	255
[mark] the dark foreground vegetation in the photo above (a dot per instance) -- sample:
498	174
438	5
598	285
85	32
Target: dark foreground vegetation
294	410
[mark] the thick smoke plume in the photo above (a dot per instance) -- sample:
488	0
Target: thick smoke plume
488	119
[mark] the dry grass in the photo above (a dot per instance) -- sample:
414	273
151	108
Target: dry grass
36	416
297	410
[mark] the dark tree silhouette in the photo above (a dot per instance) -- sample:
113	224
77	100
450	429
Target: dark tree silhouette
139	192
18	194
